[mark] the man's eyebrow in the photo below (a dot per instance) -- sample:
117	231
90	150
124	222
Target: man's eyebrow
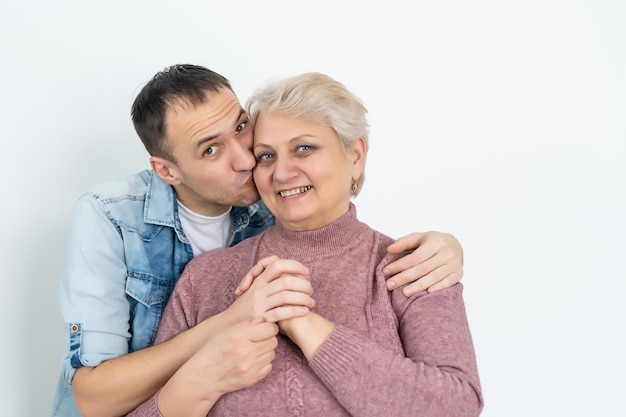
205	140
241	113
213	137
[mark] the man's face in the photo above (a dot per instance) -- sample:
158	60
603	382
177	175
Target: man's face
212	146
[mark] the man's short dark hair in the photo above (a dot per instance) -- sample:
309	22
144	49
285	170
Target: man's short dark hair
184	82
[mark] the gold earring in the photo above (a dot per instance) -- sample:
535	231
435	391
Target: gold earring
353	187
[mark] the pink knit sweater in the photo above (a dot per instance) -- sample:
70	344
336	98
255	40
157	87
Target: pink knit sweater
388	356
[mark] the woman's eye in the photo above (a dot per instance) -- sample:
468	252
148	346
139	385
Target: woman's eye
264	157
304	148
211	150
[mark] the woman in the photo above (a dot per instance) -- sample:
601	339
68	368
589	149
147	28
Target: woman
360	350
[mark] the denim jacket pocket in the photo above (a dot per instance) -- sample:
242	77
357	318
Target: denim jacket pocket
147	296
147	289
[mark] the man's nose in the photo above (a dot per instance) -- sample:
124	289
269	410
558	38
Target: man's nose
243	158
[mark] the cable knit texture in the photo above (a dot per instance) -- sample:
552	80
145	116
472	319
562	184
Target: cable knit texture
388	356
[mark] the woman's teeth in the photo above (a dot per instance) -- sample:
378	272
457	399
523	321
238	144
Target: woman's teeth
295	191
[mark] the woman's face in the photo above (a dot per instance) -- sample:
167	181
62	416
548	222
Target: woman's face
303	174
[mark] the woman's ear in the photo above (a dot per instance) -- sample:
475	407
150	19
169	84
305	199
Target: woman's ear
166	170
359	151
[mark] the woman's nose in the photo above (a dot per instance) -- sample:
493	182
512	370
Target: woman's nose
284	168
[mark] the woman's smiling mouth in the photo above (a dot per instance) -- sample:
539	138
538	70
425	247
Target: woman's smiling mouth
295	191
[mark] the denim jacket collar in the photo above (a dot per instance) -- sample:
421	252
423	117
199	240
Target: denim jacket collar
161	208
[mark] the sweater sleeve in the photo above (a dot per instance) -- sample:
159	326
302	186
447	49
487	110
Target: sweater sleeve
149	408
437	375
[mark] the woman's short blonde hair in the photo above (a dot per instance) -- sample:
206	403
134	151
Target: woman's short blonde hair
320	99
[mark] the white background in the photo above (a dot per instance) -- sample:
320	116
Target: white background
502	122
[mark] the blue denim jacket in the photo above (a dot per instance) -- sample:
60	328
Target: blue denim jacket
124	252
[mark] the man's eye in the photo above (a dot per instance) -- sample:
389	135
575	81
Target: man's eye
240	127
210	150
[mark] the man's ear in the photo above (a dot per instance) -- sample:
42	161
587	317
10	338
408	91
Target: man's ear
166	170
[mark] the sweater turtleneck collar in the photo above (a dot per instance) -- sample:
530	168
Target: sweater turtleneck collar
330	240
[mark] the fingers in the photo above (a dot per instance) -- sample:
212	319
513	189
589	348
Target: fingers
261	332
284	298
232	359
247	353
253	358
436	263
279	267
422	250
422	274
268	269
407	242
280	291
434	281
286	312
413	266
283	287
447	282
254	272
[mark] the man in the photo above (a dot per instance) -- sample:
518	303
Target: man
130	240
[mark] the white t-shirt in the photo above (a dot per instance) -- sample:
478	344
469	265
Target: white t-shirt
205	233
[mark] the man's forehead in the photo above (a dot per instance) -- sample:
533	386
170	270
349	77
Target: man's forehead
202	121
209	99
